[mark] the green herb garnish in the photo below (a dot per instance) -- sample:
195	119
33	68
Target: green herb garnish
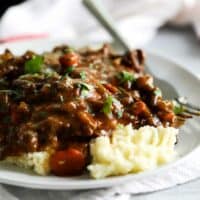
48	72
125	76
118	106
158	92
84	88
107	106
69	70
83	75
68	50
91	66
34	65
119	113
177	108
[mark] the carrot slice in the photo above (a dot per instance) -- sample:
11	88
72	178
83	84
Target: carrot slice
167	116
139	108
69	59
69	162
110	87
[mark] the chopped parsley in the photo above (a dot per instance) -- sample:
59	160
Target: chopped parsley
177	108
125	76
91	66
119	113
118	106
84	88
107	106
68	50
83	75
158	92
48	72
69	70
34	65
109	102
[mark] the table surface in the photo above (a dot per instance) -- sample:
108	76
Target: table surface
182	46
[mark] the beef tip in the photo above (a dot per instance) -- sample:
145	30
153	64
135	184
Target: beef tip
145	83
134	59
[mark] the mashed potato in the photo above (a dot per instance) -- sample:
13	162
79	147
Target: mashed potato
131	151
37	161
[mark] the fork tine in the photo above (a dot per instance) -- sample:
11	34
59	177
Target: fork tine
183	101
188	108
192	112
182	119
185	115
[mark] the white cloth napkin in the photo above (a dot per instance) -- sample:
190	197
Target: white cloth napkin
138	20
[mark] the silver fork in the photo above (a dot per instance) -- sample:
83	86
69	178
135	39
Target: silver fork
99	12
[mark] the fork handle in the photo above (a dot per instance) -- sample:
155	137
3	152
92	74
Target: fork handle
98	11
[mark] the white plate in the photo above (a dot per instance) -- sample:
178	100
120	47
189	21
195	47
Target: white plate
185	83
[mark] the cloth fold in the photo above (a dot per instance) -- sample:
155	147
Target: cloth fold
138	20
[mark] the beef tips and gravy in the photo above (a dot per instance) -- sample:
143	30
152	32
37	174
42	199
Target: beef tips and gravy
64	98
